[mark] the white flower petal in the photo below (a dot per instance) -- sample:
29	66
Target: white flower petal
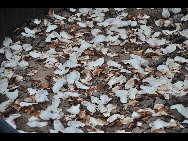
74	109
75	124
37	124
73	76
27	47
181	109
57	86
112	118
165	13
99	39
158	124
4	105
123	95
72	130
7	41
58	126
41	96
81	86
3	85
51	27
12	95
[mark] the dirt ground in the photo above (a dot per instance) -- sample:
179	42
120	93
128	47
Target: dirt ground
144	101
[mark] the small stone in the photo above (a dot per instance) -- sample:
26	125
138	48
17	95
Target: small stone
58	49
42	44
172	101
177	18
183	100
21	71
185	125
177	129
156	63
62	60
145	126
177	115
137	130
24	83
170	131
185	25
160	101
185	130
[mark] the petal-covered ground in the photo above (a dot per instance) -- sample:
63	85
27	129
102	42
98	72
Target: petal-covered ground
97	70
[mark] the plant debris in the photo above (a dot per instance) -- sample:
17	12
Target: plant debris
87	70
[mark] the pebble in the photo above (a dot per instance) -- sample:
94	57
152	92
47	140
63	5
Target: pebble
183	100
177	129
145	126
160	101
185	130
170	131
42	44
27	84
177	18
137	130
177	115
185	25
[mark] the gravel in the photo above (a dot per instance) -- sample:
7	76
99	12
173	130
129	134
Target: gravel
46	77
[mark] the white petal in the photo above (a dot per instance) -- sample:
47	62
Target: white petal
112	118
10	119
75	124
81	24
73	94
3	85
176	10
57	86
135	115
132	93
99	39
16	47
181	109
23	64
165	13
169	49
4	105
84	45
123	95
32	91
73	76
105	99
12	95
51	27
8	54
74	109
41	96
33	118
37	124
7	41
113	63
158	124
37	21
180	59
81	86
27	47
25	104
94	32
58	126
96	63
46	115
90	106
94	122
72	130
29	31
